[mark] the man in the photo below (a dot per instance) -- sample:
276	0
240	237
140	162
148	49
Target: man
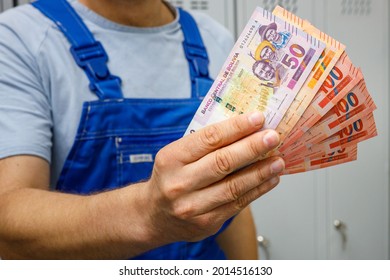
266	51
278	39
267	73
121	182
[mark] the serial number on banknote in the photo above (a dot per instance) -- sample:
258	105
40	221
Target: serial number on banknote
247	36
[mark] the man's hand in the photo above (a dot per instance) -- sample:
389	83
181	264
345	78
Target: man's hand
203	179
198	182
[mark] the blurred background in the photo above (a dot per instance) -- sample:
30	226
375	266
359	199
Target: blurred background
340	212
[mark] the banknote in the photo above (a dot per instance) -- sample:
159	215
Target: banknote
308	153
305	84
354	106
264	72
360	130
321	70
307	164
343	77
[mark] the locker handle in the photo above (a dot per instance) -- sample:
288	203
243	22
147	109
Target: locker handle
264	244
341	227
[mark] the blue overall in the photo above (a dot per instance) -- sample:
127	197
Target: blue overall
118	138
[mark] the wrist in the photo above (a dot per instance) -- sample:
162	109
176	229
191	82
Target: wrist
140	221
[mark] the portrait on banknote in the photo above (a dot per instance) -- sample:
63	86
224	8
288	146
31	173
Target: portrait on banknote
264	72
271	74
270	33
305	84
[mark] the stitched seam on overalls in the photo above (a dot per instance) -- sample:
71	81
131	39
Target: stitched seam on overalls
172	103
120	165
74	151
75	148
79	25
85	121
84	134
126	133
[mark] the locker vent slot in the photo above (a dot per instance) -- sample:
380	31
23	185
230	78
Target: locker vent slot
199	5
289	5
202	5
177	3
356	7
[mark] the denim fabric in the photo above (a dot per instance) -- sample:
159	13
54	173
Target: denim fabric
118	139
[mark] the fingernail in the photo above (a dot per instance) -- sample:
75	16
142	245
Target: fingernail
277	166
256	118
271	139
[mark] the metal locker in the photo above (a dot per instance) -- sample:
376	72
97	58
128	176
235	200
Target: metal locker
358	193
220	10
6	4
343	211
286	218
302	8
340	212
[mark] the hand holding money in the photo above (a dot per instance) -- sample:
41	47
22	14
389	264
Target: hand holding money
219	170
304	83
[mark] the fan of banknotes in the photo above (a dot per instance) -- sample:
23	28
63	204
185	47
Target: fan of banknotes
304	83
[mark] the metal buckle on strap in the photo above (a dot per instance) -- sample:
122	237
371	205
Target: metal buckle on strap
92	58
198	56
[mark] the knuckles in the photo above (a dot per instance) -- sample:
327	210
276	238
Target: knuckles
173	189
211	136
241	203
233	192
261	174
162	160
223	162
183	211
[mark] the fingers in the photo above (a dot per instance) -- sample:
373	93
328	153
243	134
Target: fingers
236	206
236	188
220	163
220	214
213	137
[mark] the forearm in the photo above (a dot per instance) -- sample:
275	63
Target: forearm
38	224
176	204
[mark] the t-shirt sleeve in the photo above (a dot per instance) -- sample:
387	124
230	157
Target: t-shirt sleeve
25	111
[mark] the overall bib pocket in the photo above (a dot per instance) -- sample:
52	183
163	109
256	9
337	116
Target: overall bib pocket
118	138
136	154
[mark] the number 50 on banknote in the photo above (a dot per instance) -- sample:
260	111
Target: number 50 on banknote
264	72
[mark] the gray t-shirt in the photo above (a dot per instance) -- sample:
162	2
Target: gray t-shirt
42	89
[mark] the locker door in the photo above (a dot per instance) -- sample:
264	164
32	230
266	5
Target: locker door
340	212
287	219
302	8
221	10
6	4
358	193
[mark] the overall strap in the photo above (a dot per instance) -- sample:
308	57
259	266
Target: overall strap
196	55
88	53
